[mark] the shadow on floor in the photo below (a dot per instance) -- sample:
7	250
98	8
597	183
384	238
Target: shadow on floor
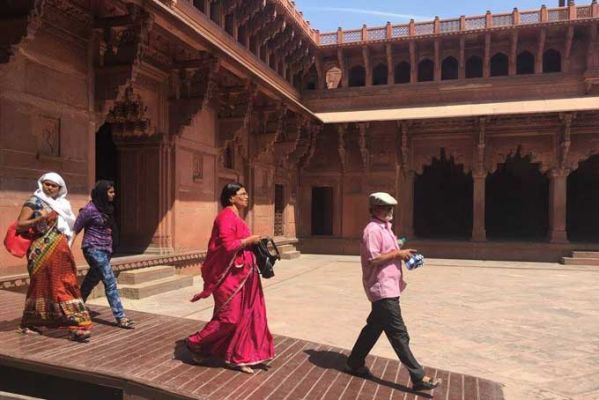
334	360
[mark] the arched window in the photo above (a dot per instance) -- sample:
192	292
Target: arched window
552	61
426	70
357	76
474	67
449	69
379	75
499	65
525	63
402	72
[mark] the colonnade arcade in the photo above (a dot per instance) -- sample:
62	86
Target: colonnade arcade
525	178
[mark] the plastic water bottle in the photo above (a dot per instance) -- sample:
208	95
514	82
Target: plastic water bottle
416	261
401	241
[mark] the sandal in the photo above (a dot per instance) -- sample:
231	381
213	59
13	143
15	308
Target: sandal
125	323
80	336
245	369
426	383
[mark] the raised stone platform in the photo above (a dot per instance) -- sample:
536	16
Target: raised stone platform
151	362
582	258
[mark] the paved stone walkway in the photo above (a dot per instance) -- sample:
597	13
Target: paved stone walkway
532	326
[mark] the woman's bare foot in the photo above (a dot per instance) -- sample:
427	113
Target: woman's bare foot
245	369
28	330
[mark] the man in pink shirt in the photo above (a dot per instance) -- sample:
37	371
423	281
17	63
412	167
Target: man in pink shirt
382	277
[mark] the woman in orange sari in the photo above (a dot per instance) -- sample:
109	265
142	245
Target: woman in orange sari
53	297
238	333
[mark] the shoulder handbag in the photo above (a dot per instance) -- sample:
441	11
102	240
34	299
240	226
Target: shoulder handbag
265	257
15	242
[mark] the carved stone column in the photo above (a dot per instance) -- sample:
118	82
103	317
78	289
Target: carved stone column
557	206
479	232
406	202
479	179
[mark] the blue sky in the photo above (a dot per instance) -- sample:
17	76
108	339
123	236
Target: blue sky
327	15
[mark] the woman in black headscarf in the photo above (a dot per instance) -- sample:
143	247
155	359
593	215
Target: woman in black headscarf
97	218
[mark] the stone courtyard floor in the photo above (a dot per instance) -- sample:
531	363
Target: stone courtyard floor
533	327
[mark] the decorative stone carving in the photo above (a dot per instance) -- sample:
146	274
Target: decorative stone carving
23	31
47	134
127	118
198	168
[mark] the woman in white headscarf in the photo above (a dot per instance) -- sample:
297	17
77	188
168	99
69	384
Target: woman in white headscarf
53	298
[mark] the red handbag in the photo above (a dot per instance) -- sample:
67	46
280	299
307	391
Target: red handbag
15	242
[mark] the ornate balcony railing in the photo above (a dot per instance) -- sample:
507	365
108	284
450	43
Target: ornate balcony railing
462	24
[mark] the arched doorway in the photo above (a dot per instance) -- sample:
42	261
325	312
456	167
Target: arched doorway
517	200
426	70
499	65
525	63
379	75
443	200
403	72
357	76
449	69
552	61
474	67
582	218
107	167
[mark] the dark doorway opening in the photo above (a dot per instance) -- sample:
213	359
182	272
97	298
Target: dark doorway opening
582	218
474	67
552	61
107	167
525	63
449	69
443	200
379	75
517	200
357	76
426	71
322	210
402	72
499	65
279	210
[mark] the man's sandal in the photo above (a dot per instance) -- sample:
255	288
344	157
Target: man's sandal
427	383
125	323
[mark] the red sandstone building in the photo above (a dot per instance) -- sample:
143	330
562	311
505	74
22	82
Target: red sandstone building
485	127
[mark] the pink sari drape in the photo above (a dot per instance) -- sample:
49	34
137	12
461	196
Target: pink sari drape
238	332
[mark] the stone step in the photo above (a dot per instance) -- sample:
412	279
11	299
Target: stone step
146	289
585	254
579	261
289	255
142	275
285	248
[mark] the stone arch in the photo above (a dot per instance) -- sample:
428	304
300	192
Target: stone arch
552	61
474	67
525	63
380	74
498	155
500	65
449	68
517	199
443	196
582	220
403	72
426	70
357	76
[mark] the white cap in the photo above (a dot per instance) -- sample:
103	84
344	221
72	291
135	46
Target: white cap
381	199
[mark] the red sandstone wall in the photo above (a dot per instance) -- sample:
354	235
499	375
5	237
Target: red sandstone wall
45	125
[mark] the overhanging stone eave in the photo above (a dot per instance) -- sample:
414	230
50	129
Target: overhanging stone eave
585	103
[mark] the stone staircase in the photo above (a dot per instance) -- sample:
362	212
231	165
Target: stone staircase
582	258
145	282
287	248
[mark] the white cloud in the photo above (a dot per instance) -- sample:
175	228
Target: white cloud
371	12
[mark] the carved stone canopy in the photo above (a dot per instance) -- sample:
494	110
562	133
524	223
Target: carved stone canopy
127	118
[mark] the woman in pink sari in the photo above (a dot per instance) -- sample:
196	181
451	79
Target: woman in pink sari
238	332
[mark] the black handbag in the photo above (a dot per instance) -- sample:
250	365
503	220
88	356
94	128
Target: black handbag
266	256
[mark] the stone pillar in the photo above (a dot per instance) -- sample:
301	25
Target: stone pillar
479	232
406	211
557	206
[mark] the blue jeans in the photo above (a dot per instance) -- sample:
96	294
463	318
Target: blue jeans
101	270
